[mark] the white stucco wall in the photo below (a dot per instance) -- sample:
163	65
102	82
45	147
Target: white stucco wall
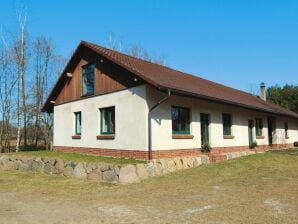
130	120
280	137
131	108
162	124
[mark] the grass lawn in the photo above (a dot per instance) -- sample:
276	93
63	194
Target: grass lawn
68	156
261	188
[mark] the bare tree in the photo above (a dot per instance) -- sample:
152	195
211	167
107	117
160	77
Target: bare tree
21	101
134	50
19	50
114	43
58	63
7	86
43	51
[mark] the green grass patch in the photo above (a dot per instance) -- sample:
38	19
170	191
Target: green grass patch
71	156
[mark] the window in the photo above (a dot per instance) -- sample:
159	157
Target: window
107	120
88	80
259	127
78	123
286	130
227	124
180	120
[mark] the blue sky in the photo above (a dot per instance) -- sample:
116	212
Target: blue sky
237	43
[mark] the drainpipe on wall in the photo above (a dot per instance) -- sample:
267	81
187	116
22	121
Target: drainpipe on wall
149	122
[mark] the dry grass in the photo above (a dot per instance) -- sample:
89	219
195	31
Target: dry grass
261	188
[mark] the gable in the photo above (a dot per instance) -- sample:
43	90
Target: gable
108	76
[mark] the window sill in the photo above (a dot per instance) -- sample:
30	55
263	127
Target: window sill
260	137
76	137
228	137
87	95
105	136
182	136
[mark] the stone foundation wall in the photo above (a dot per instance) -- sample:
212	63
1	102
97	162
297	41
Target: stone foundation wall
131	173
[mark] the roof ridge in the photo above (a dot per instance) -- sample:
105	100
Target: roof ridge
125	54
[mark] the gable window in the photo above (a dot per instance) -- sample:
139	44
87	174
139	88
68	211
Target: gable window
180	120
227	124
286	130
88	80
107	120
78	123
259	127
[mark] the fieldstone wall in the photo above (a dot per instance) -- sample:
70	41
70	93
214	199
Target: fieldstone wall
130	173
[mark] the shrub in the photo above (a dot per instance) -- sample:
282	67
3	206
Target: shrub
206	147
254	144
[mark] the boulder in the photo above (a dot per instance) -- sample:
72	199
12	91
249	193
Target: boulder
12	165
95	174
142	171
178	163
150	169
52	162
104	167
171	165
48	168
205	160
90	167
59	166
38	159
80	171
242	153
197	161
72	164
109	176
128	174
236	154
67	171
4	160
37	165
116	170
25	159
25	166
158	169
164	166
187	162
229	156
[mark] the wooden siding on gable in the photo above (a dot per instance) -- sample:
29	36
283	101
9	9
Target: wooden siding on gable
109	77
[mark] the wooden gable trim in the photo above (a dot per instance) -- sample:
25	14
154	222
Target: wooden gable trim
118	78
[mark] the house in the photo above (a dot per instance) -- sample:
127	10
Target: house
108	103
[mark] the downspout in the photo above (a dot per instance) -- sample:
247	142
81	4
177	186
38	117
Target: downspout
149	122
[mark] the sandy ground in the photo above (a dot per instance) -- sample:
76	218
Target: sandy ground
258	189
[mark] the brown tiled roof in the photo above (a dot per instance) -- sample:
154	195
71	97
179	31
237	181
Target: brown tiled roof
166	78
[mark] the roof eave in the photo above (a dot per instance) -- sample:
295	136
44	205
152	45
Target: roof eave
213	99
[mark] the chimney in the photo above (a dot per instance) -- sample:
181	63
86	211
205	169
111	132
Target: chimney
263	91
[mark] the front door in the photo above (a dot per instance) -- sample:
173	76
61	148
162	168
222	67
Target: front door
271	128
204	128
250	133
